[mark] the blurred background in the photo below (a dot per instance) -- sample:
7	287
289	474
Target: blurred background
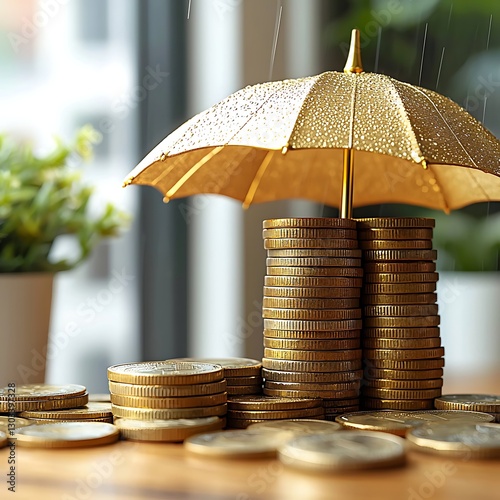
192	271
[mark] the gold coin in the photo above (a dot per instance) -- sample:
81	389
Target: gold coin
399	255
405	364
403	354
309	233
398	288
335	412
233	367
36	421
254	380
401	277
311	366
342	451
401	333
395	222
395	244
173	430
404	375
314	386
266	403
246	443
330	404
309	243
167	403
8	424
298	427
348	272
400	267
92	410
395	234
351	253
311	281
300	355
305	377
165	414
312	292
312	345
40	392
43	404
313	335
100	398
286	324
311	314
313	262
306	393
402	321
310	222
380	343
404	298
394	404
166	391
165	373
467	440
305	303
401	310
386	383
487	403
375	392
276	414
241	390
67	435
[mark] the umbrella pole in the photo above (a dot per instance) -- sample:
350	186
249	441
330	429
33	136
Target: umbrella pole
347	185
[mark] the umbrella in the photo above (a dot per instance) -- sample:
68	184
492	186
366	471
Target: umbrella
299	139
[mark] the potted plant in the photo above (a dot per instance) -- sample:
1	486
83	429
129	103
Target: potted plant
42	198
469	290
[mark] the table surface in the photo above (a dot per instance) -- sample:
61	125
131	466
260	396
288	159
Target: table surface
137	471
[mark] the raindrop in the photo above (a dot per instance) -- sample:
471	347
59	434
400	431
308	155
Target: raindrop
275	41
423	53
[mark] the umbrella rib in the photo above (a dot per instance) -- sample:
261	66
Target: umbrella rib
258	177
446	208
171	192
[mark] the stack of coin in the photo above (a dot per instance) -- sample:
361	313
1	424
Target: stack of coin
42	397
91	412
243	376
402	350
243	411
311	310
166	390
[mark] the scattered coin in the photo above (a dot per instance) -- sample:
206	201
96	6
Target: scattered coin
174	430
476	402
458	440
341	451
238	443
67	435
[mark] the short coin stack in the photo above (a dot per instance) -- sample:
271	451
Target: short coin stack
247	410
163	393
243	375
91	412
42	397
486	403
402	349
311	311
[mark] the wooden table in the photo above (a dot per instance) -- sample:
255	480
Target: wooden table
139	471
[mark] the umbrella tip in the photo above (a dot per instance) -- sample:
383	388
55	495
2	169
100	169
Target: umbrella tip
353	63
127	182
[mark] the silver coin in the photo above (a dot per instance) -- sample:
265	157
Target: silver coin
341	451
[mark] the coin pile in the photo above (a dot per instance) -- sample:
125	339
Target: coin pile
486	403
243	375
311	311
37	397
402	350
91	412
243	411
167	390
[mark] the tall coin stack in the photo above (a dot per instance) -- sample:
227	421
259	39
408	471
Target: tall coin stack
311	311
402	353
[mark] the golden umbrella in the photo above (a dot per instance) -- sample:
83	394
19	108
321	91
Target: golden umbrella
298	139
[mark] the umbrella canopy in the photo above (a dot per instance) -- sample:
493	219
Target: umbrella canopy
293	138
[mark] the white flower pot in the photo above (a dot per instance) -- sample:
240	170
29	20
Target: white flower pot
25	304
469	305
